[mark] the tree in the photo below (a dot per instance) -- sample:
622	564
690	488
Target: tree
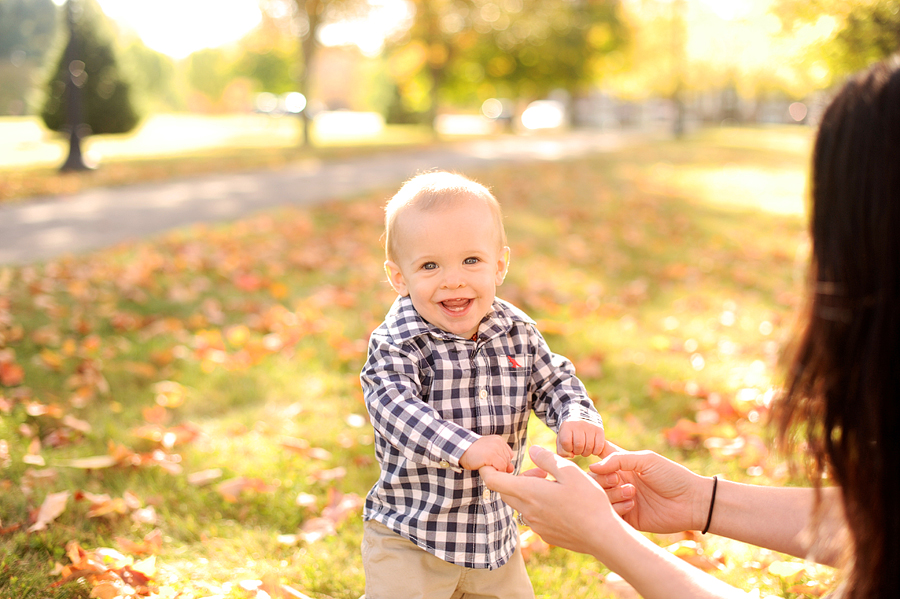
305	18
545	46
852	36
107	106
465	51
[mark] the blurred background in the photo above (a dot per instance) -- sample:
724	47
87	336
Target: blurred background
175	75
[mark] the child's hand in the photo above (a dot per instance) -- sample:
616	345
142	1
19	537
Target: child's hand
491	450
579	438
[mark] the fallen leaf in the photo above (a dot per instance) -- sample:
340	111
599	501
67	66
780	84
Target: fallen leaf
692	552
315	529
54	505
204	477
232	488
92	463
787	570
530	544
11	375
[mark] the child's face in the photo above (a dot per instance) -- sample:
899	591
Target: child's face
449	262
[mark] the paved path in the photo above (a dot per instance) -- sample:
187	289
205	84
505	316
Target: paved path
44	228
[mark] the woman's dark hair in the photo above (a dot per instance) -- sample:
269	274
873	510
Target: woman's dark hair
842	394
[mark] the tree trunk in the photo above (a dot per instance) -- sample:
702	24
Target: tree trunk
308	46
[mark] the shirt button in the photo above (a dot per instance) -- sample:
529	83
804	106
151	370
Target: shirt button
482	394
445	464
486	495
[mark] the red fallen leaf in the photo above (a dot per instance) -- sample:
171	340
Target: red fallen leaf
248	282
11	374
8	529
685	434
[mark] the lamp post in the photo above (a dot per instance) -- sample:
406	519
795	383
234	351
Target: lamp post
75	78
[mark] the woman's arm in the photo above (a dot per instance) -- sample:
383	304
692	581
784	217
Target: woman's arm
655	494
781	519
574	512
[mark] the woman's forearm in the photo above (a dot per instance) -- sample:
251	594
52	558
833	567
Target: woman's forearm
653	571
781	519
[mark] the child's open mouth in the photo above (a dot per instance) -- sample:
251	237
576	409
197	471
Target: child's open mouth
456	305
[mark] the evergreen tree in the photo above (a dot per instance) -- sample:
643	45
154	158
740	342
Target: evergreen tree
106	96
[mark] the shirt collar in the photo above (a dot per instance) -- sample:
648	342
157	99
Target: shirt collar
404	323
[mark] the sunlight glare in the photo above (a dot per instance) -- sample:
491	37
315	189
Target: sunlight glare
180	27
368	33
729	10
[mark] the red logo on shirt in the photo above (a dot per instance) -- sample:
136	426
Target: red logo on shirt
512	362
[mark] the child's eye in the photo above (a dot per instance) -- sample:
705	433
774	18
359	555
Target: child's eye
429	266
471	260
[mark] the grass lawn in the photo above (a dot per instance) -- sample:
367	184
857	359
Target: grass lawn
182	417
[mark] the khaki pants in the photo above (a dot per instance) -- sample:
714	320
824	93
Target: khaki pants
397	568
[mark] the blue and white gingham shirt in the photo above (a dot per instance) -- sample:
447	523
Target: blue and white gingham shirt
430	395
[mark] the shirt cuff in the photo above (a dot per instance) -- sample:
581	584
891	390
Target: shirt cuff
451	454
579	413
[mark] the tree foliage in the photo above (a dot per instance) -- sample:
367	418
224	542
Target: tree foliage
106	95
462	51
852	35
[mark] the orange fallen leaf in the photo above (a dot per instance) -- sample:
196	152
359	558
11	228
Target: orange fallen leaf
692	552
11	375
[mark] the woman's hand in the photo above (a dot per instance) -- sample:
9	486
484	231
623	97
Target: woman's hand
570	511
652	493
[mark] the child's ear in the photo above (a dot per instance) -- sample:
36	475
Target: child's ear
502	266
395	278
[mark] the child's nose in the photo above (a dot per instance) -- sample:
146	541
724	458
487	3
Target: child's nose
453	279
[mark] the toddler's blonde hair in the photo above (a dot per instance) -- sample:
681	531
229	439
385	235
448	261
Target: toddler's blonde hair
431	191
